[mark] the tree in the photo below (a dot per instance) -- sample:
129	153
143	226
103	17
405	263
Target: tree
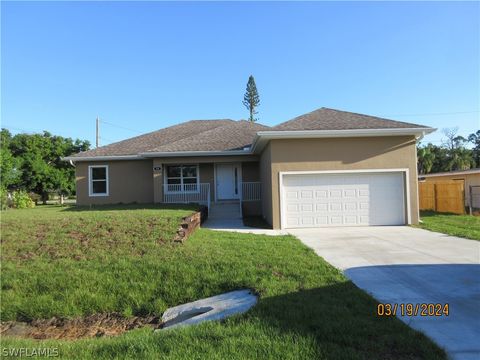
9	165
42	169
426	157
440	160
432	159
453	141
251	99
475	140
459	157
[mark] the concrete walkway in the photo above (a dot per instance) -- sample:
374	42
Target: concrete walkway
236	225
400	265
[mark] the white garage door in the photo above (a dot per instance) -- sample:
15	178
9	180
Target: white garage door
315	200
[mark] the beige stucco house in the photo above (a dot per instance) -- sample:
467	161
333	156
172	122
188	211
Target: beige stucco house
324	168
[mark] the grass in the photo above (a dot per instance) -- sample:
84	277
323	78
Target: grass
465	226
68	263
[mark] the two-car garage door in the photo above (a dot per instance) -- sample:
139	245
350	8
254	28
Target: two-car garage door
343	199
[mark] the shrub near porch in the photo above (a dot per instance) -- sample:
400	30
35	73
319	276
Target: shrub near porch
72	263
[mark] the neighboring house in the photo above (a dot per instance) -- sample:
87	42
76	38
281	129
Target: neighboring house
324	168
469	178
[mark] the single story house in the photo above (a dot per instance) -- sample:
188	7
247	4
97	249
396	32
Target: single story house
469	178
324	168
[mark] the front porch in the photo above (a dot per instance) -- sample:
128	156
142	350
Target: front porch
228	189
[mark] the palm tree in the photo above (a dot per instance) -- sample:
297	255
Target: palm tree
425	159
461	159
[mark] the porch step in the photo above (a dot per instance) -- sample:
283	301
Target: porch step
225	210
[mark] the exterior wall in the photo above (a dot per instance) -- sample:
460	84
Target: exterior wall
207	175
337	154
207	172
157	180
251	173
468	179
129	182
266	179
252	208
206	169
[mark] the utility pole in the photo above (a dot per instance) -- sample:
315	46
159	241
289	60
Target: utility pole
96	133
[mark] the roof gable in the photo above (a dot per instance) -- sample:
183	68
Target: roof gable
331	119
147	142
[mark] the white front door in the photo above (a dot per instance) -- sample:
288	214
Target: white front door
227	181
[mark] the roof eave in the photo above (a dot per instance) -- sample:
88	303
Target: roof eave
451	173
262	137
146	155
101	158
196	153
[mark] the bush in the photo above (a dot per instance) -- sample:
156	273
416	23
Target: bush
21	200
4	201
35	197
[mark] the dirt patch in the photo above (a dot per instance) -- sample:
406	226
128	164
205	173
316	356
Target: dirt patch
108	324
80	236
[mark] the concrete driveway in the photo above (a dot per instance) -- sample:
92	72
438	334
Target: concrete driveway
399	265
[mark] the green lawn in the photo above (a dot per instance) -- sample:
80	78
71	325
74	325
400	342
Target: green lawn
465	226
61	262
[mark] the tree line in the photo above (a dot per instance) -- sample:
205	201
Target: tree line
452	155
33	163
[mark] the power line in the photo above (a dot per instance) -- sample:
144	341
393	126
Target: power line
97	135
436	114
119	126
23	130
110	140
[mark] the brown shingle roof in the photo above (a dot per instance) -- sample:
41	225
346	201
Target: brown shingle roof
147	142
232	136
226	134
330	119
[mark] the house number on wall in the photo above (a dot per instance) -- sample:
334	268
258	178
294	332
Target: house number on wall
157	168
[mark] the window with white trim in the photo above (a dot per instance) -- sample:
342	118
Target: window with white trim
98	180
182	178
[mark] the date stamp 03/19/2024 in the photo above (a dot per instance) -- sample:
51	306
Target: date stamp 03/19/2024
409	309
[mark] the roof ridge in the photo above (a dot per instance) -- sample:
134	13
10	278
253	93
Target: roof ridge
250	122
365	115
329	118
147	136
171	126
189	137
218	128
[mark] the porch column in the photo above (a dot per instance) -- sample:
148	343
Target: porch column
158	170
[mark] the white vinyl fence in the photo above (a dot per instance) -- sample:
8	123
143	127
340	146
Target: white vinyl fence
187	193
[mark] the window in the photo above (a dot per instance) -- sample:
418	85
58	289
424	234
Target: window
182	178
98	180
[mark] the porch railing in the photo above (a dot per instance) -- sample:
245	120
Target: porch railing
187	193
251	191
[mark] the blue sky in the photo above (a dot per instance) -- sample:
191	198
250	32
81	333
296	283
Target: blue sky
148	65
